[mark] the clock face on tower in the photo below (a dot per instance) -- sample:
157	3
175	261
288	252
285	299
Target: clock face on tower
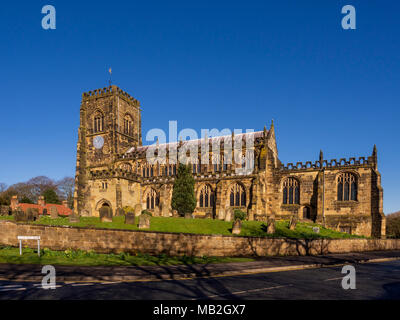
98	142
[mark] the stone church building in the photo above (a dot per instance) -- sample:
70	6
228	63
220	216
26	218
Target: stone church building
112	170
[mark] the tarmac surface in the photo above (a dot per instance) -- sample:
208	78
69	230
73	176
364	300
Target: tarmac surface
309	277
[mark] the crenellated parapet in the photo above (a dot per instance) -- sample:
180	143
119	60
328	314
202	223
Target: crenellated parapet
329	164
108	91
114	173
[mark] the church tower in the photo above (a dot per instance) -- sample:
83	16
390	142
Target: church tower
110	124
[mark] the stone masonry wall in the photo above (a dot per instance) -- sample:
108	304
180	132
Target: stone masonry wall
107	241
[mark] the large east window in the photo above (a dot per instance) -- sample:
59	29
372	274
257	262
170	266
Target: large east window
291	191
347	187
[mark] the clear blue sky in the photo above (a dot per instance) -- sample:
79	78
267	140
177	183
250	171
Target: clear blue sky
206	64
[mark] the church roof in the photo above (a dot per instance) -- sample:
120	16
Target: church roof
212	140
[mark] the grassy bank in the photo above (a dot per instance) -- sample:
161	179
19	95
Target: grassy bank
83	258
203	226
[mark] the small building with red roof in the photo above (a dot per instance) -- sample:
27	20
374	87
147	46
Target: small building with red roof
42	206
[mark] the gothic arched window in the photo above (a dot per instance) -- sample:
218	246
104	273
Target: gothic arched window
128	125
291	191
152	200
98	123
206	197
238	196
347	187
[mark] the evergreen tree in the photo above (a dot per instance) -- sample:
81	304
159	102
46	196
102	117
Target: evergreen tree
183	196
50	196
25	199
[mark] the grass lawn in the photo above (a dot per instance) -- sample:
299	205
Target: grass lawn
89	258
177	225
203	226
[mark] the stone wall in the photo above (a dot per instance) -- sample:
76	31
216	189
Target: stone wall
108	240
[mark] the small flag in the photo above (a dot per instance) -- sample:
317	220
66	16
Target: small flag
110	71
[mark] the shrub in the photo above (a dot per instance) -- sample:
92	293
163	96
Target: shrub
25	199
128	209
50	196
147	212
393	227
239	215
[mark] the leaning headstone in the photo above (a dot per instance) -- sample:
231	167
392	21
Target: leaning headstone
53	213
188	216
130	218
221	214
315	229
271	225
293	222
144	221
19	215
237	227
138	210
119	212
105	214
74	218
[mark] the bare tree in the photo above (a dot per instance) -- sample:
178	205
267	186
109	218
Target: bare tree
65	189
3	187
33	188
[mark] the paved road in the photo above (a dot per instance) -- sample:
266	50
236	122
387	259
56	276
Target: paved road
374	281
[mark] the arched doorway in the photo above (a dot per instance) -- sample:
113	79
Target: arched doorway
100	204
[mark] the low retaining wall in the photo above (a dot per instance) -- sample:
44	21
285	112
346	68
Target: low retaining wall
174	244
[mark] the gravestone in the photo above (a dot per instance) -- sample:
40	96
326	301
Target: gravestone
130	218
5	211
74	218
119	212
19	215
164	211
35	212
271	225
293	222
229	215
31	214
138	210
144	221
237	227
156	211
106	214
221	214
188	216
53	213
175	213
315	229
250	214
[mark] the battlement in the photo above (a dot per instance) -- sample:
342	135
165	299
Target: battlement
113	173
107	91
334	163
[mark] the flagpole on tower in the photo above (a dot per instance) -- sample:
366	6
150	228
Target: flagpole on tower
110	72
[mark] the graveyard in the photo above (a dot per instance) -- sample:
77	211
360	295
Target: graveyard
283	228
